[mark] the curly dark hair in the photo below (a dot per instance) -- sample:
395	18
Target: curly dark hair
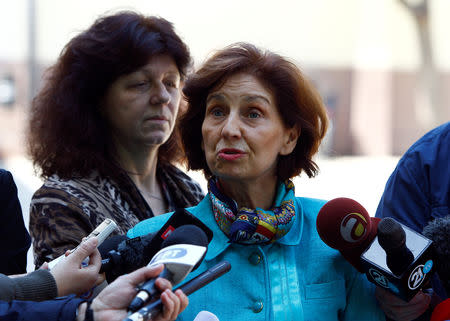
297	101
67	135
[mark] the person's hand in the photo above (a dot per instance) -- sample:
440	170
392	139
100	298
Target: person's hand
112	303
397	309
71	277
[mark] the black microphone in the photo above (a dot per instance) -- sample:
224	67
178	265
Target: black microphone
131	254
154	308
181	252
121	255
392	239
438	231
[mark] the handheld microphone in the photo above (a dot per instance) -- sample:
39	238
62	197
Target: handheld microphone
344	224
131	254
121	255
151	310
438	231
392	239
182	252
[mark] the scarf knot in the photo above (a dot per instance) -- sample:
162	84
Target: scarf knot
254	226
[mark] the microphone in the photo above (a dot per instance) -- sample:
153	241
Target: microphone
345	225
438	231
131	254
121	255
182	252
441	312
151	310
206	316
392	239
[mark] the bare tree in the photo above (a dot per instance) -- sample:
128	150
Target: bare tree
428	107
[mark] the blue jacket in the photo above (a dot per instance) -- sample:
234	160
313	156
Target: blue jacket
295	278
61	309
418	190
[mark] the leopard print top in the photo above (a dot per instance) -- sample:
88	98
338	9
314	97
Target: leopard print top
63	211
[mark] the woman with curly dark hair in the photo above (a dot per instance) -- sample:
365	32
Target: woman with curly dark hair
102	132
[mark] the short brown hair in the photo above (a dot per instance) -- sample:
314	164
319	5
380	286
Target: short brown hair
67	134
297	101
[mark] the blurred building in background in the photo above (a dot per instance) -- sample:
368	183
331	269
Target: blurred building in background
381	66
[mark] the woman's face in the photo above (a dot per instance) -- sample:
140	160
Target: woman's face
141	107
243	132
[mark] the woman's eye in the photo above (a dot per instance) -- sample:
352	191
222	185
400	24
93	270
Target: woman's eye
216	112
254	114
172	84
140	84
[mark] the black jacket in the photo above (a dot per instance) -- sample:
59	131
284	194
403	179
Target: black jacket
14	238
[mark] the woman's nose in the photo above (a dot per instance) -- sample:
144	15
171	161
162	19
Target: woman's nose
231	126
159	95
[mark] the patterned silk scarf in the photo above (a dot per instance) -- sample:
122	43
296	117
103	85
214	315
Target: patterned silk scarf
254	226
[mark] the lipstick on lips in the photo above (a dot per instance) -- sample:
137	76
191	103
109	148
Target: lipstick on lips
157	117
230	153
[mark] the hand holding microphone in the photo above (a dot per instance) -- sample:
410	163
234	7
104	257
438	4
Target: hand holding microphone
111	304
181	252
153	309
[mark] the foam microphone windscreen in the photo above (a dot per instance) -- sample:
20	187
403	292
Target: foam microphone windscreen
133	252
392	238
438	231
110	244
345	225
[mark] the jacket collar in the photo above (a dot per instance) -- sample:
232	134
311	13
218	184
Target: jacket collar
219	242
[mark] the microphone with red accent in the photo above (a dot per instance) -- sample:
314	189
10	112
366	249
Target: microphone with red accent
441	312
391	255
344	224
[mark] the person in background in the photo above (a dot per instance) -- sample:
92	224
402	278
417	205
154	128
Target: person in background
14	238
253	123
111	304
65	278
101	131
417	192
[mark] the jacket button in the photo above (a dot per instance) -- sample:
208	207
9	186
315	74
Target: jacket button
254	258
257	306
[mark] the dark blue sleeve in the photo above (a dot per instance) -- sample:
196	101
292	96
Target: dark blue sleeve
62	309
405	197
14	237
418	190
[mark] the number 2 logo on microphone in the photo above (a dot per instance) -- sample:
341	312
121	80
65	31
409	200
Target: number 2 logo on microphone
418	275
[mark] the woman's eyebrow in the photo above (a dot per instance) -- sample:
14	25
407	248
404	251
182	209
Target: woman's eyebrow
217	96
253	98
